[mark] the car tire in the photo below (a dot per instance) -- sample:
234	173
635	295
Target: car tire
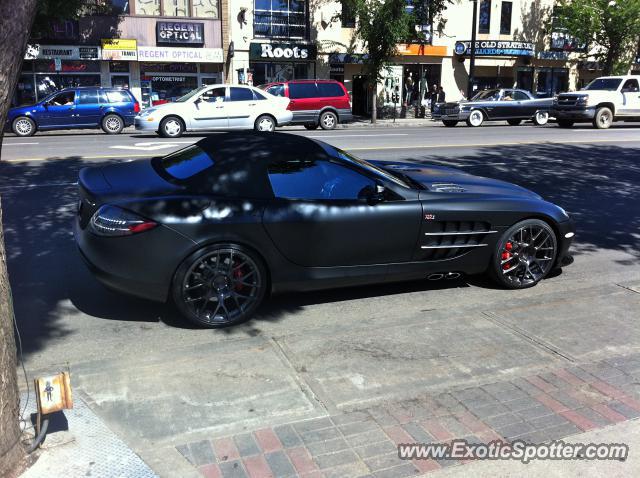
475	119
541	118
524	255
220	285
265	123
449	123
112	124
565	123
514	122
328	120
603	118
23	126
311	126
171	127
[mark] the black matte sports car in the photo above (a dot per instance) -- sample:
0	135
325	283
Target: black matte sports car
220	224
511	105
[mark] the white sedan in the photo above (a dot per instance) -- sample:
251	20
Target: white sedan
216	107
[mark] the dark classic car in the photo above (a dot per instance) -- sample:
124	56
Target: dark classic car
218	226
498	104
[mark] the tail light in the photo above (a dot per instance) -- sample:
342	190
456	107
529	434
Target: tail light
289	105
113	221
136	107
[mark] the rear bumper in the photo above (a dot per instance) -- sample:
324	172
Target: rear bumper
573	113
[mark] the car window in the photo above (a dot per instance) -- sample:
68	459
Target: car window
303	90
87	97
630	86
215	95
330	90
258	96
115	96
63	99
312	180
186	163
507	95
277	90
240	94
520	96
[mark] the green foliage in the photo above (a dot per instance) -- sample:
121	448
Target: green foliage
611	27
55	10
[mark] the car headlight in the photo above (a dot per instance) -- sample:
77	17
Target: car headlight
582	100
146	112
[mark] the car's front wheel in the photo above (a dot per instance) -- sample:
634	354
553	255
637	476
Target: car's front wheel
23	126
328	120
449	123
171	127
220	285
112	124
603	118
476	118
524	255
541	118
265	123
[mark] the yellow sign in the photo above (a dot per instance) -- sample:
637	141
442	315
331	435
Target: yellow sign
119	44
53	393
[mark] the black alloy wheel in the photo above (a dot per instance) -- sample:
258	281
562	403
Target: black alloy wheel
220	285
525	254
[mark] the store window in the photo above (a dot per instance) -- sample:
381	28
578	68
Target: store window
205	9
505	18
175	8
281	71
147	7
280	19
119	7
484	17
348	16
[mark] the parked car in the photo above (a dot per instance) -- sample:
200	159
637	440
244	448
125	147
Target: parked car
111	109
237	216
511	105
603	101
314	102
216	107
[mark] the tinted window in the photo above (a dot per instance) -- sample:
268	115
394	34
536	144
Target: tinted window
87	97
610	84
115	96
258	96
330	89
520	96
186	163
303	90
240	94
304	179
630	86
277	90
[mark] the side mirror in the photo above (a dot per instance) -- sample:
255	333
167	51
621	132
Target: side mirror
373	194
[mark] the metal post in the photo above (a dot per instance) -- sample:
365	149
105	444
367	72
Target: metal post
472	59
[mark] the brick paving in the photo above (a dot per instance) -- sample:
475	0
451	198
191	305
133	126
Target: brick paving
547	406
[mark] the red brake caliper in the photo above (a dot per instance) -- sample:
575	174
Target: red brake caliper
237	275
506	255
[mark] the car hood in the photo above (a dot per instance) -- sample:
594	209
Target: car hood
440	179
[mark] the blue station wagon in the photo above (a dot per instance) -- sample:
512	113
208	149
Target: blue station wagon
111	109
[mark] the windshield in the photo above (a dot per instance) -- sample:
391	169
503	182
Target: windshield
609	84
371	168
191	94
185	163
487	95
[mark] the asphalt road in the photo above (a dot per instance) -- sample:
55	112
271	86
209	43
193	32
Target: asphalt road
306	354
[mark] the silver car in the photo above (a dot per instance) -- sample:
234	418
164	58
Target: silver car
216	107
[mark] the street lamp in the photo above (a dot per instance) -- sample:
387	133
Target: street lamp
472	58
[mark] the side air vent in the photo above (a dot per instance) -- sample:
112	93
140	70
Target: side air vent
446	240
447	188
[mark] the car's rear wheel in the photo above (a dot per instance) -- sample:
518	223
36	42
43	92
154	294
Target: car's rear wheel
23	126
112	124
311	126
541	118
603	118
514	122
171	127
524	255
220	285
265	123
449	123
565	123
476	118
328	120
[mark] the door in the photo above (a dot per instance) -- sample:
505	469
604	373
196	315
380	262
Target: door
525	106
241	107
60	110
88	109
305	101
630	98
506	106
320	217
209	111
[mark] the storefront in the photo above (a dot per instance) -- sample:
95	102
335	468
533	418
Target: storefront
270	62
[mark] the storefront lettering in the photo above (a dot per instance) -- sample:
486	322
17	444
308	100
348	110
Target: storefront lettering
283	52
495	48
180	32
56	52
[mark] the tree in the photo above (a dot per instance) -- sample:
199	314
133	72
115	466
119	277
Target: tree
16	21
610	27
382	24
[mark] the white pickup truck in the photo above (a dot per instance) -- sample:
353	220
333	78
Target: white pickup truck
603	101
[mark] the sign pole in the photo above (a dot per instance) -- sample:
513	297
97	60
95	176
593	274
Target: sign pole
472	58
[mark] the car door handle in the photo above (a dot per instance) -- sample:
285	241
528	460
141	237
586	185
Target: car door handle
252	104
219	107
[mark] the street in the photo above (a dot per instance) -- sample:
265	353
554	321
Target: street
166	388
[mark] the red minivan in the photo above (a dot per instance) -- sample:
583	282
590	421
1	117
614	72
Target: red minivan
314	102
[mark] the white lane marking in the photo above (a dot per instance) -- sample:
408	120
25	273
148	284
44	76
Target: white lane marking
354	135
15	144
150	146
32	185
